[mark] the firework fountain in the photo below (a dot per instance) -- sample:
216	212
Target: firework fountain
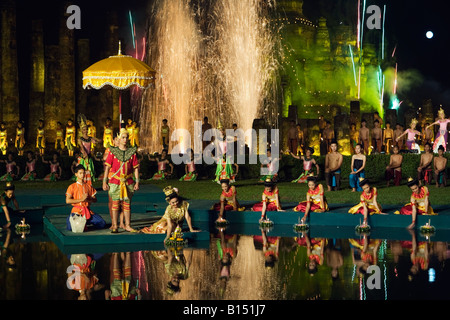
224	68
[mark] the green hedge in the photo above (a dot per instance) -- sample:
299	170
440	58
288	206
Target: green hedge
290	168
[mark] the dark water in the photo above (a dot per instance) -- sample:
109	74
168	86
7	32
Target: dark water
231	267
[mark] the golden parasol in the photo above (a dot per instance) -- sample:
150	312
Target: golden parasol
120	72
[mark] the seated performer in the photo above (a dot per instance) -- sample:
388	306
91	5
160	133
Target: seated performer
228	200
440	167
357	168
315	199
12	169
30	169
368	201
333	163
191	172
5	198
394	169
270	165
270	199
419	202
162	161
308	162
176	212
425	170
80	195
55	168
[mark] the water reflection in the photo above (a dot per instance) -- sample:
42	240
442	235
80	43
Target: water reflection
234	267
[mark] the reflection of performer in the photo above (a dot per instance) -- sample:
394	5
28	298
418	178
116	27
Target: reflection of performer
314	250
3	138
123	287
419	203
442	136
83	276
315	199
364	253
270	246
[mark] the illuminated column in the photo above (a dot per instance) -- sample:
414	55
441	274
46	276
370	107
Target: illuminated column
37	80
9	81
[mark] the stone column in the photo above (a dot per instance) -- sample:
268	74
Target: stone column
9	75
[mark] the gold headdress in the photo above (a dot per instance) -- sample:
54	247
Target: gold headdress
169	191
9	186
82	121
122	129
219	124
414	121
441	112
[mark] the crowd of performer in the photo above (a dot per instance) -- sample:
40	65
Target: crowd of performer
121	176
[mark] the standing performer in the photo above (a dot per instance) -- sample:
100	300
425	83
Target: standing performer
3	138
85	145
315	199
388	138
364	135
59	142
108	136
368	201
442	136
419	202
123	162
411	133
20	138
70	137
354	137
397	133
40	139
333	163
427	134
92	133
440	167
165	134
357	168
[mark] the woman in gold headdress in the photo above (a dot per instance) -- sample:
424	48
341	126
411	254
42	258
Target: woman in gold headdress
442	136
411	133
176	212
368	201
419	203
3	138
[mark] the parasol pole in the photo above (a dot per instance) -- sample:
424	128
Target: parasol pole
120	91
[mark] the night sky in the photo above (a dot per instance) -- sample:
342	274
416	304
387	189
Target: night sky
406	25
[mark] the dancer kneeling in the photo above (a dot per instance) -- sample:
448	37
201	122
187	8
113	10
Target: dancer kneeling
368	204
228	201
176	212
80	195
419	204
315	199
270	199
